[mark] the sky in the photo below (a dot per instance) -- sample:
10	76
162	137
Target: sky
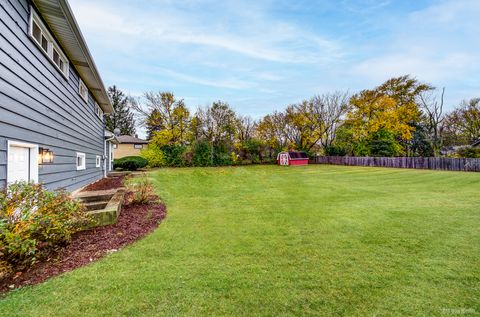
263	55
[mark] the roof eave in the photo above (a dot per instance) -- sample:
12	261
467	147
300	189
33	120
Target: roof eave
60	19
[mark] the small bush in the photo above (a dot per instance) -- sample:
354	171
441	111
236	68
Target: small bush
130	163
469	152
154	155
34	221
202	154
140	192
174	155
335	150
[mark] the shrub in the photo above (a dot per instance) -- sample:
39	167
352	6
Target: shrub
154	155
34	221
202	154
221	155
469	152
130	163
174	155
140	192
234	158
383	143
335	150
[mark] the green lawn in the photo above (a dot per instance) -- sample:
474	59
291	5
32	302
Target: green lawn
267	240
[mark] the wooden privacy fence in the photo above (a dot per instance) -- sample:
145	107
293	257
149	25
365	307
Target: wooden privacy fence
432	163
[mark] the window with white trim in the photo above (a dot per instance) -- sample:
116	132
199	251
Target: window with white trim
81	161
98	111
138	146
98	161
45	41
82	90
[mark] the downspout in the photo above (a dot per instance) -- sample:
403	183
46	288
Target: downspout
116	133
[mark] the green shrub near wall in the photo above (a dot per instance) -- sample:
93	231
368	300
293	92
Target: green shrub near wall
130	163
34	221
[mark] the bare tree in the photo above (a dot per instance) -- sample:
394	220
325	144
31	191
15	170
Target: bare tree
329	110
432	106
161	111
245	128
216	123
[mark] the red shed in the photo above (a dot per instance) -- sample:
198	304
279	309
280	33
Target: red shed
292	158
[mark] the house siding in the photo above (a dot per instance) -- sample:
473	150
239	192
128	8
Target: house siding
126	149
39	105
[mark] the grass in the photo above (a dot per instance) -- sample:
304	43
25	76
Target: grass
266	240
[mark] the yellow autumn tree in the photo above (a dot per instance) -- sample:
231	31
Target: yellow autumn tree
391	106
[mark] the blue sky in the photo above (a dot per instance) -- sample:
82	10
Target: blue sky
263	55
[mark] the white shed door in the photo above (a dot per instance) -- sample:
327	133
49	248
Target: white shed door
284	159
18	164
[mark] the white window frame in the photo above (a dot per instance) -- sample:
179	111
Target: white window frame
84	161
33	158
84	94
51	46
138	146
98	111
98	161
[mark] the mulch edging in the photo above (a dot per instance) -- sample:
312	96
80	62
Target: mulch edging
135	222
110	182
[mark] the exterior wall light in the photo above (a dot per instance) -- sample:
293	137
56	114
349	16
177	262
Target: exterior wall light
46	156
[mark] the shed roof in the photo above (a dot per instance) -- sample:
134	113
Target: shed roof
59	17
128	139
297	155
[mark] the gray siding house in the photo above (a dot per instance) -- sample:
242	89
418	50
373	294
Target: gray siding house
52	99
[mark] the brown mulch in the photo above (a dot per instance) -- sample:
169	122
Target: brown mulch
135	222
110	182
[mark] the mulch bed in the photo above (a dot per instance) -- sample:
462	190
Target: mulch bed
110	182
135	222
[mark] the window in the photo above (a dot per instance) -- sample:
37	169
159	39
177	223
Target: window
42	37
138	146
98	111
81	164
83	90
98	161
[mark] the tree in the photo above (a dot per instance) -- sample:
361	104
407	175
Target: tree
122	118
432	107
217	125
245	130
463	124
166	118
421	143
271	131
329	109
392	106
382	143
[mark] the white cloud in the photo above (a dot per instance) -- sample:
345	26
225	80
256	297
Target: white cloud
437	44
261	38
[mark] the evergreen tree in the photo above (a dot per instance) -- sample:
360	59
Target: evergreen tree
123	117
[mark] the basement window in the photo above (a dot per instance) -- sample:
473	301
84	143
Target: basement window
98	161
45	41
81	161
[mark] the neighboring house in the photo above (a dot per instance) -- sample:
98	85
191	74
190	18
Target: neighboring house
52	98
476	144
128	146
